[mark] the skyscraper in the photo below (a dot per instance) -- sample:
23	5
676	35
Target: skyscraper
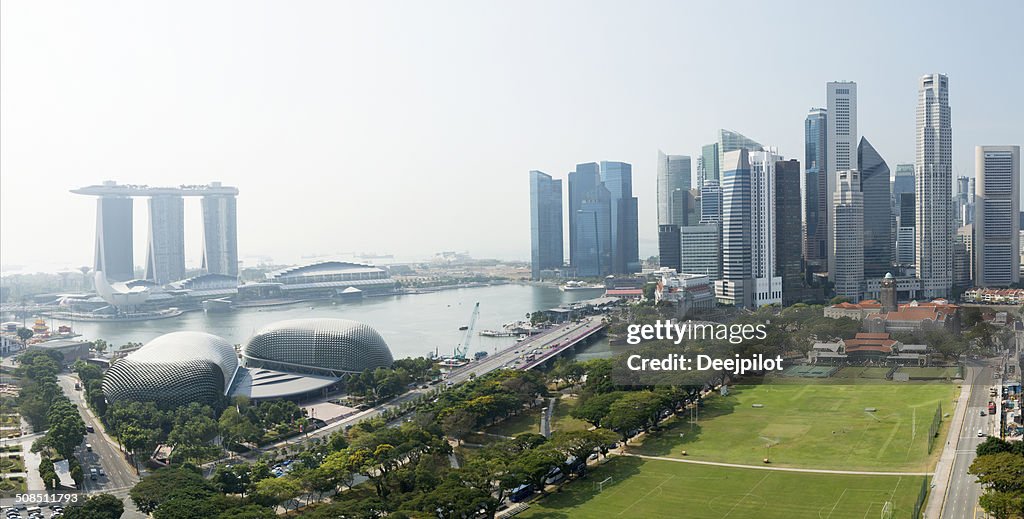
787	229
816	187
996	216
668	247
933	181
848	218
841	146
545	223
165	252
963	260
905	229
581	182
711	202
114	238
220	234
874	183
618	178
673	174
593	230
729	140
684	207
767	287
734	287
700	250
709	163
904	181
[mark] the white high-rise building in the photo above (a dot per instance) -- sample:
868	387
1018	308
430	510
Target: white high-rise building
767	286
933	187
848	241
841	153
673	174
996	216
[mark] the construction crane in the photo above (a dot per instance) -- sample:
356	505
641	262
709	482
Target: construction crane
463	348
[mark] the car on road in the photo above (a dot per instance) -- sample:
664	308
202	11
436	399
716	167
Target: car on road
983	412
100	470
88	447
981	433
93	474
89	428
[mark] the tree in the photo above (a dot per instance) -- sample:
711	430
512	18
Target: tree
185	508
580	444
278	491
972	316
458	423
101	506
100	345
168	483
25	334
236	427
594	408
1001	504
248	512
1002	472
994	445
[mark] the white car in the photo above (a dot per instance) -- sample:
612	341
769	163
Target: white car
981	433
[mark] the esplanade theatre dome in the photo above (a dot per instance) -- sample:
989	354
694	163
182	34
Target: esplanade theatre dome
174	369
319	346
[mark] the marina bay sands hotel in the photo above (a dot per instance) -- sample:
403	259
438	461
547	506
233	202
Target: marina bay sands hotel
165	252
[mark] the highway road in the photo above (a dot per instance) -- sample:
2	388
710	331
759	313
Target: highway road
512	356
964	491
119	476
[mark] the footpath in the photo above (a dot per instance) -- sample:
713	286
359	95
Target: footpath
944	468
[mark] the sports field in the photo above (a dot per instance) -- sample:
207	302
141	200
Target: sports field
812	426
652	488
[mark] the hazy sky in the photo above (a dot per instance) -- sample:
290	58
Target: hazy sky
410	127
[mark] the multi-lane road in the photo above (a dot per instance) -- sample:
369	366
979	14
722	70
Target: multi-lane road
105	454
963	491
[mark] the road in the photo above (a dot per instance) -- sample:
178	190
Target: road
511	356
119	476
962	495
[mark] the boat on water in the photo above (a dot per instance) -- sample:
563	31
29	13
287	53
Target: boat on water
578	285
495	333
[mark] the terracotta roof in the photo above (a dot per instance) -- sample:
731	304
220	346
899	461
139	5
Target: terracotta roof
851	348
918	313
625	292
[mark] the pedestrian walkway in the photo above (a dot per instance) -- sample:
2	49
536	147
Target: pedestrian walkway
943	469
780	469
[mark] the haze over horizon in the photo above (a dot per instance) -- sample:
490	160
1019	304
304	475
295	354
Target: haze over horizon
359	126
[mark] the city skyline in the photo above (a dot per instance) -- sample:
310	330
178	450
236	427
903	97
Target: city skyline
163	111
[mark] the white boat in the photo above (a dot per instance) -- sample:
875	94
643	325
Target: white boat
577	285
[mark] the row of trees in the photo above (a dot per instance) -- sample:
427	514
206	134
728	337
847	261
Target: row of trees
64	427
406	466
193	429
1000	469
384	383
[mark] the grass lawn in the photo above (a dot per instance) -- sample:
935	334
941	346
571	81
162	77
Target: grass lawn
939	372
812	426
529	421
862	373
524	422
11	464
652	488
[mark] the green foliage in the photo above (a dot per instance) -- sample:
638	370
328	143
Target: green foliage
100	506
169	483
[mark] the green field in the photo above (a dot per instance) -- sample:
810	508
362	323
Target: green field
939	372
812	426
652	488
529	421
862	373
